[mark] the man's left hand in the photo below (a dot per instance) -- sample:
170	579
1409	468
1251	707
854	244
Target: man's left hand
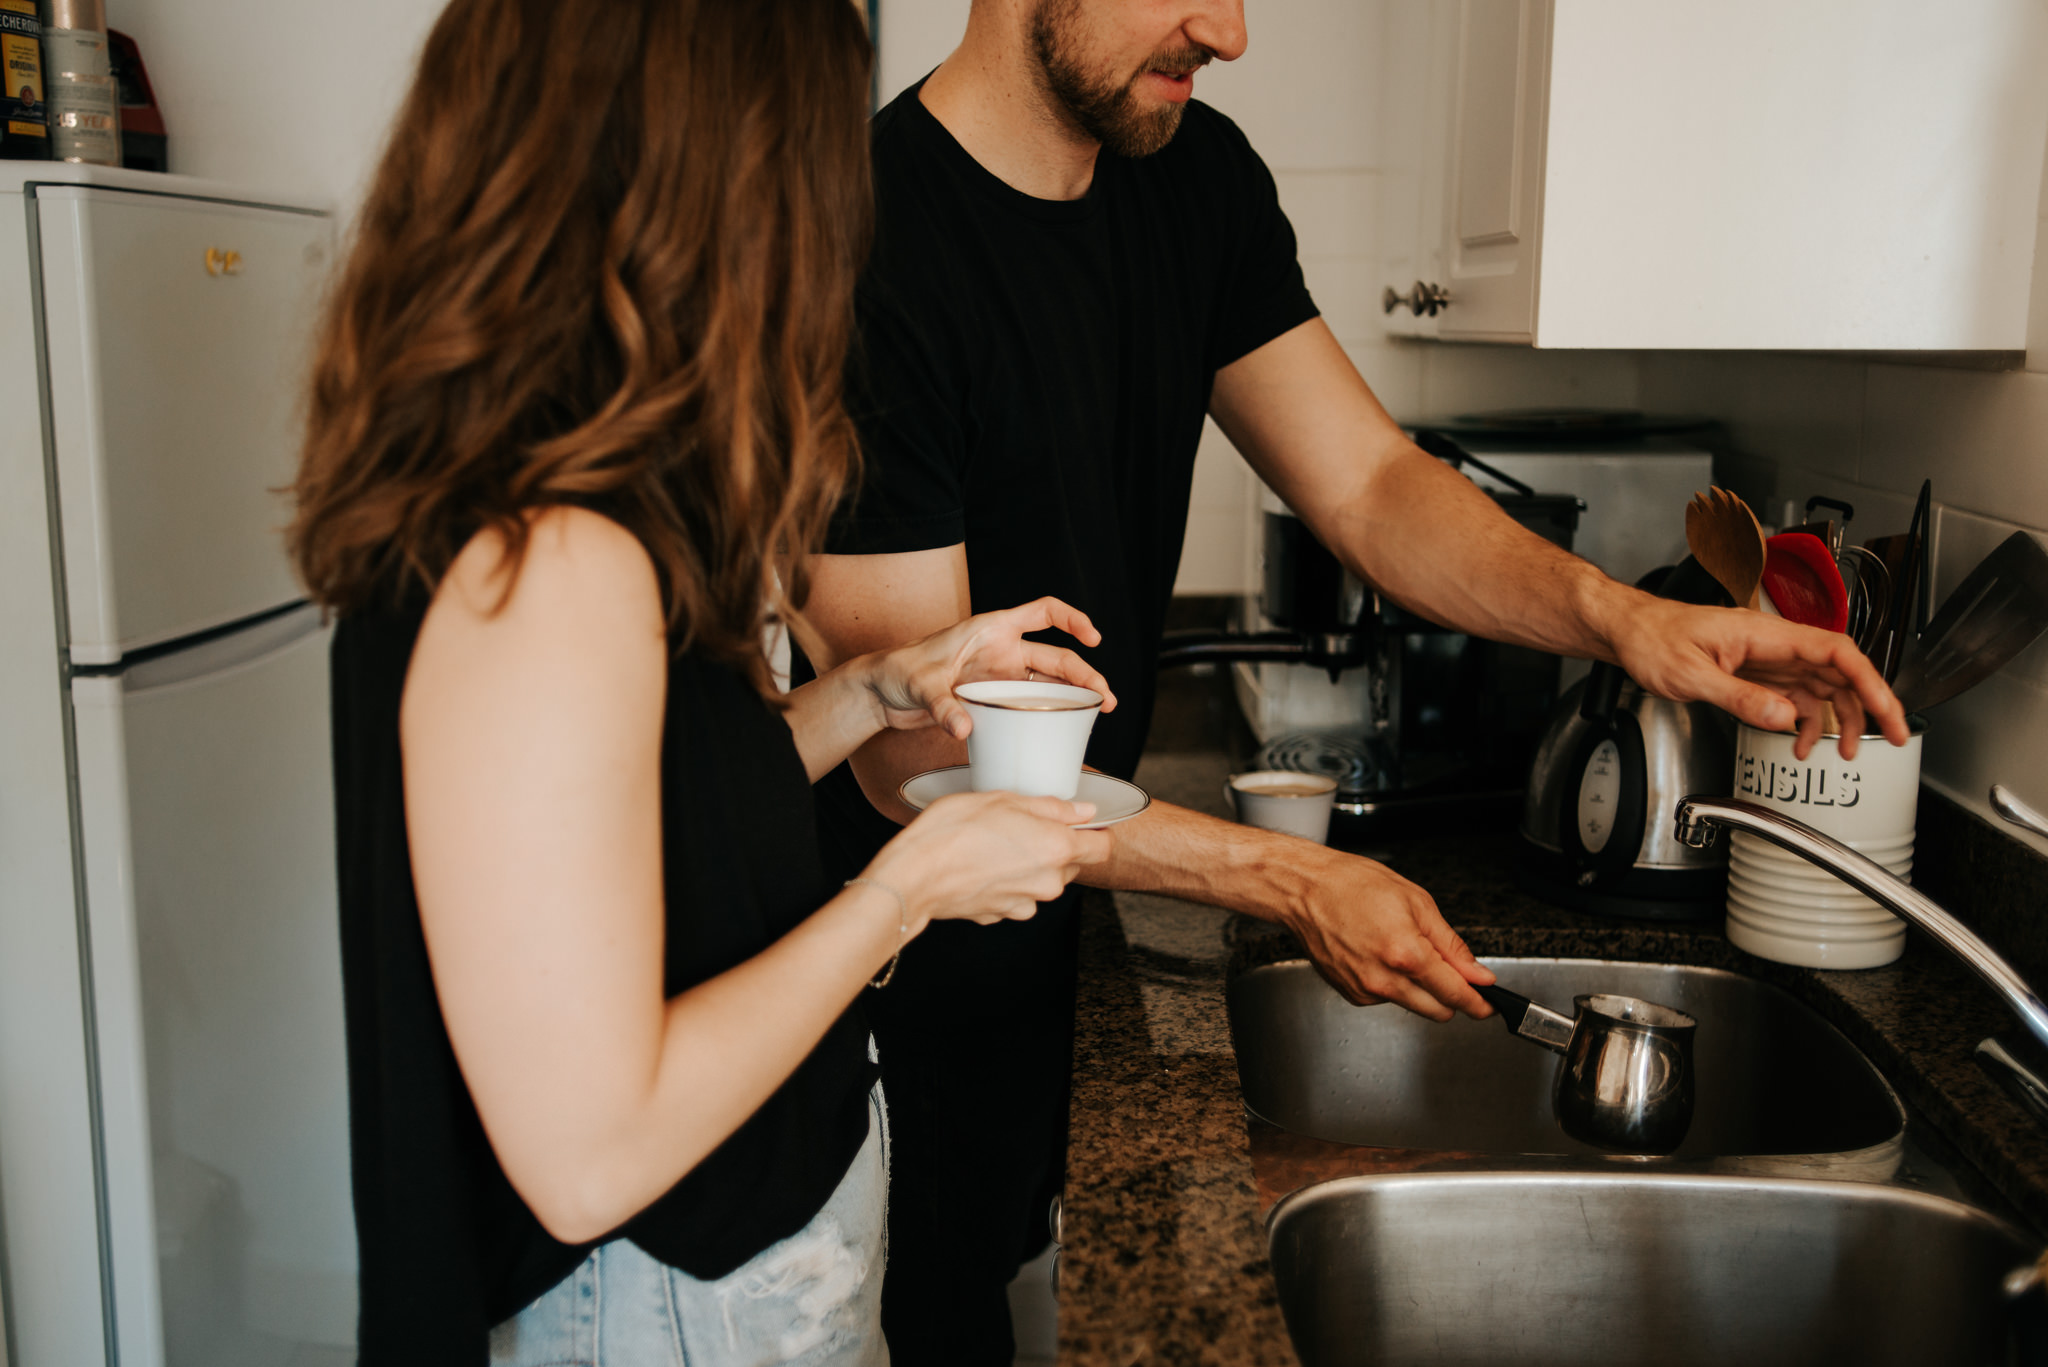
1766	671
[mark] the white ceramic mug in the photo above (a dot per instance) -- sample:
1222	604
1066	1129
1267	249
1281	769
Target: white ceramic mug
1282	800
1782	907
1029	736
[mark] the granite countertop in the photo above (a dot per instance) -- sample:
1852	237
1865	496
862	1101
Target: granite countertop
1163	1255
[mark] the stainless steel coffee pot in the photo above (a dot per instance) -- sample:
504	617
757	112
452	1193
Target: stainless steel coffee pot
1627	1082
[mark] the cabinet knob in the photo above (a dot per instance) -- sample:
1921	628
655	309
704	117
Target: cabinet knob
1421	300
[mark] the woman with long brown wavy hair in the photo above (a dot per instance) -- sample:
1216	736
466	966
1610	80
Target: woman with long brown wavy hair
575	421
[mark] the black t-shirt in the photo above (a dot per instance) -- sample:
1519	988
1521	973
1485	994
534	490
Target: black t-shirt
446	1246
1032	376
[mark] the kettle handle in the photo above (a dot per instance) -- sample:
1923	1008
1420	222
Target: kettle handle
1603	691
1630	815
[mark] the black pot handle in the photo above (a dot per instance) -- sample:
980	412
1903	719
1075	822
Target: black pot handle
1443	448
1847	511
1512	1006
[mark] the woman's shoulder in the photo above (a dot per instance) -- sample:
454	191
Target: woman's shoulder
578	608
570	553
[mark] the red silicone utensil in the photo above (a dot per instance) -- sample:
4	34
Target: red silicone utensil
1802	580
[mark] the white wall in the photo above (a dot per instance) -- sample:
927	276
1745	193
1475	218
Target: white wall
912	37
292	97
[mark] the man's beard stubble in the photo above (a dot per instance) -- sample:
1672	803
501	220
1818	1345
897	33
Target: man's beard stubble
1105	111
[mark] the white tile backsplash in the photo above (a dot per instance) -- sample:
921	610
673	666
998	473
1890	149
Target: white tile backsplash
1805	409
1981	436
1464	378
2037	311
1346	289
1992	734
1964	540
1879	512
1213	557
1394	370
1802	409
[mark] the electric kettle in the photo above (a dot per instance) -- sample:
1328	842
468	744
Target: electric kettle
1612	765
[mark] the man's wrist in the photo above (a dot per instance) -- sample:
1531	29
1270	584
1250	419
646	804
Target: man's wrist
1276	875
1603	608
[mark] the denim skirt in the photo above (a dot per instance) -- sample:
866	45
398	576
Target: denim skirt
815	1298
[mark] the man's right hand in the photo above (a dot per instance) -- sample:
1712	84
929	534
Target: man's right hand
1373	934
1376	937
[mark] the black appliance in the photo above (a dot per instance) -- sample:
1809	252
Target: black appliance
1455	719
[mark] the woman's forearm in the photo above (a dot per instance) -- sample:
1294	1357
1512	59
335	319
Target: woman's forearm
618	1140
833	715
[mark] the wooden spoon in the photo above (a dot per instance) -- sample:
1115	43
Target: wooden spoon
1723	535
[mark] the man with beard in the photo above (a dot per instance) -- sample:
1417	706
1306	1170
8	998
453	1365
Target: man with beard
1073	264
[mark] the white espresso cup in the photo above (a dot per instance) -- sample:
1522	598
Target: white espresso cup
1029	736
1282	800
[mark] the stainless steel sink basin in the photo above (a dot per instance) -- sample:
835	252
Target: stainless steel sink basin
1548	1269
1779	1089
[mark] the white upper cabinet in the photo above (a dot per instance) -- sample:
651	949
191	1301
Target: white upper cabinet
1828	175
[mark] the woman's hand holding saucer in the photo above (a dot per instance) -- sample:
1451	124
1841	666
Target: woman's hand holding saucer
913	685
987	857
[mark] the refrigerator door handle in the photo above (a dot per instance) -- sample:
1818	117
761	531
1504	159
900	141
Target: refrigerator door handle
239	647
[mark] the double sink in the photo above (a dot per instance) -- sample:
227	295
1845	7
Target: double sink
1445	1219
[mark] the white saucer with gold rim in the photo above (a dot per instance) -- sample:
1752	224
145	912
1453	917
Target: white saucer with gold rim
1115	799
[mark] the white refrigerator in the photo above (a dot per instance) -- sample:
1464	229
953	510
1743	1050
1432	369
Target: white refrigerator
173	1115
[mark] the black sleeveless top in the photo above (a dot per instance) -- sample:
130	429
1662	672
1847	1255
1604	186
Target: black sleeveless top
447	1247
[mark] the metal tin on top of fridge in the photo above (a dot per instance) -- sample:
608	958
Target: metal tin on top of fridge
84	100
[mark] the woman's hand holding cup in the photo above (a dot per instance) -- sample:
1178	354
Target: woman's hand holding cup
913	685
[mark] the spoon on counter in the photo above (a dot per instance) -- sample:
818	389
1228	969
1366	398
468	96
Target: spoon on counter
1723	535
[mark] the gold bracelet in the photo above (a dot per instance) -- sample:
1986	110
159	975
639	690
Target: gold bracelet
902	927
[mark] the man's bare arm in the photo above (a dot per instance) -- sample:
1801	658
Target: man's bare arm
1373	934
1431	540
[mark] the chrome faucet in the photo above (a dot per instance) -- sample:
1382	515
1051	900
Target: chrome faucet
1698	817
2023	1062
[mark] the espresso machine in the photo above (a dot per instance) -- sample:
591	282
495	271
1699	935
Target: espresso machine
1420	724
